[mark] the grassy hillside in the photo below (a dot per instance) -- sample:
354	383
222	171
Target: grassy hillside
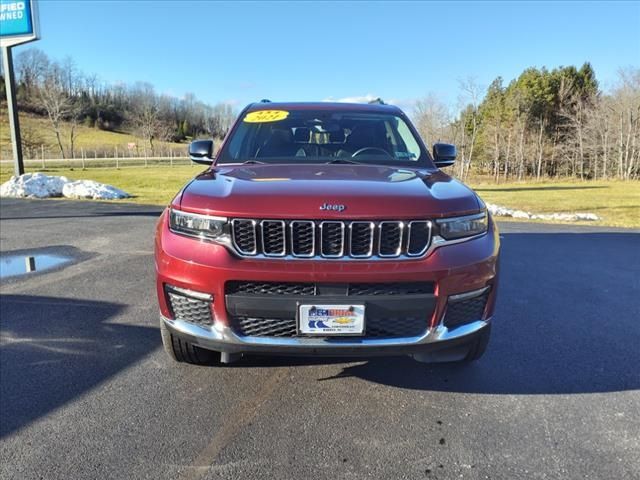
616	202
38	130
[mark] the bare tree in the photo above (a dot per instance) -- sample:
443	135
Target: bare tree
627	109
32	66
58	106
75	115
219	119
471	93
432	119
146	115
32	141
70	77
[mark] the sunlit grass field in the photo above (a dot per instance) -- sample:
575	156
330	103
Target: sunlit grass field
154	185
616	202
89	140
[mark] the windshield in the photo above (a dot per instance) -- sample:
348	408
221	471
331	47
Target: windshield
320	136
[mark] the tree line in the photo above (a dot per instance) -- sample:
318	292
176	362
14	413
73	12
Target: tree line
68	97
544	124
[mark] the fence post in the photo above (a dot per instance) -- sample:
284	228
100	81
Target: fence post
117	162
171	158
82	153
42	151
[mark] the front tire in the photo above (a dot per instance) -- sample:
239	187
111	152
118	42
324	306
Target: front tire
186	352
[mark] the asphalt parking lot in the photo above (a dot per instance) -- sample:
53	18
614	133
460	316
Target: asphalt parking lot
87	391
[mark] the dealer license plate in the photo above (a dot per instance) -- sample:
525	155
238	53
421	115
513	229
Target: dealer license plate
324	320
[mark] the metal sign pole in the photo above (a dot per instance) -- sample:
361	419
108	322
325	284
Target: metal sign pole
19	24
14	122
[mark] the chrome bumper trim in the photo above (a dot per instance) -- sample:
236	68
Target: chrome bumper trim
190	293
221	337
461	297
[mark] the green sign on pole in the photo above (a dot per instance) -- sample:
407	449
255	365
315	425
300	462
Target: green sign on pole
18	24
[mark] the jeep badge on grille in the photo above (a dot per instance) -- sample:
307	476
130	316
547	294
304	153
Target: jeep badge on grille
335	207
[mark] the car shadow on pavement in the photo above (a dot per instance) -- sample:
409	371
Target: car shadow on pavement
567	321
151	213
52	350
32	209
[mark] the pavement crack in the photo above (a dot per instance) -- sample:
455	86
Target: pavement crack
235	421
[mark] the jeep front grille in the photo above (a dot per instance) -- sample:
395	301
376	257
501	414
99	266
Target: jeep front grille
334	239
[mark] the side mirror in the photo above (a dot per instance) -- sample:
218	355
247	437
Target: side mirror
201	151
444	154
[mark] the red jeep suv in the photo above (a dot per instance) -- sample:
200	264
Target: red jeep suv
325	229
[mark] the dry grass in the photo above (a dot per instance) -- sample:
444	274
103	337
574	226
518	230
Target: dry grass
617	203
91	140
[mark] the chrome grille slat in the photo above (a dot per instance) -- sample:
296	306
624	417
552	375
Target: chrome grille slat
331	239
244	236
303	238
274	238
419	233
391	235
361	236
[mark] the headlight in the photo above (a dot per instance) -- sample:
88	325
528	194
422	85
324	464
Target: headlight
467	226
195	225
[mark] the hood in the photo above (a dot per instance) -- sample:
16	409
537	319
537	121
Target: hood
299	191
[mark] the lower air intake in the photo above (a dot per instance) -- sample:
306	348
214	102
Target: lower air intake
287	327
189	309
465	311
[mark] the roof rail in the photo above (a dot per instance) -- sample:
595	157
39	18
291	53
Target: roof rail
265	100
378	101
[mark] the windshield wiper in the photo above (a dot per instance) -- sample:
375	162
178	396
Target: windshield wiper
344	160
249	162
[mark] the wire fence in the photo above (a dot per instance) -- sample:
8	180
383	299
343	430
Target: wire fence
101	162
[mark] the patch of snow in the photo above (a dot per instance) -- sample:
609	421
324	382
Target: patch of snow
33	185
500	211
520	214
91	189
38	185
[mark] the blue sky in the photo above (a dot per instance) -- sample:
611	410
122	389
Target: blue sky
245	51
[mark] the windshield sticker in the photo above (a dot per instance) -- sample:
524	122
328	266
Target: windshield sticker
401	176
275	179
410	155
263	116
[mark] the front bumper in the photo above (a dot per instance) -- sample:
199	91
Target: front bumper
221	338
199	266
